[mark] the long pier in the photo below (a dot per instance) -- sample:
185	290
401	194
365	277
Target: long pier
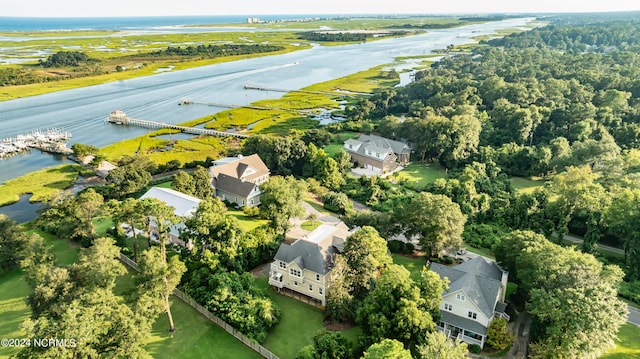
120	118
187	101
275	89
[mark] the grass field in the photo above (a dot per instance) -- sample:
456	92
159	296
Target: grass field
523	185
338	142
628	346
298	324
246	223
420	175
42	184
196	336
413	265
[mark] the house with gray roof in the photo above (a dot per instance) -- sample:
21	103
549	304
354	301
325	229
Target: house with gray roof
475	297
238	179
377	153
304	266
184	206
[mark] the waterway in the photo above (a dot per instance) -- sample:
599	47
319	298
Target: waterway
82	111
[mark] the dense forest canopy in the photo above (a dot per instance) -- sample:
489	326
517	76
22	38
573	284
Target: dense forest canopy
560	102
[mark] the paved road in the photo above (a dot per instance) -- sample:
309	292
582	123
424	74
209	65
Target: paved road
602	246
634	316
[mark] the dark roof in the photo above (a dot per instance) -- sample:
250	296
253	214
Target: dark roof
317	250
233	185
464	323
480	280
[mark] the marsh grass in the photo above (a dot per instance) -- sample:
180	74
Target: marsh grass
42	184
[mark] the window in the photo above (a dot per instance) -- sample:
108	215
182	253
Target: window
448	306
310	288
317	277
282	265
473	315
320	290
460	296
350	146
295	272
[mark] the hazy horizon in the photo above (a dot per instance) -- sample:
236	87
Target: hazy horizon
256	8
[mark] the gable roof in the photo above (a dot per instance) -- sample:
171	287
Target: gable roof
315	251
233	185
478	279
184	204
244	168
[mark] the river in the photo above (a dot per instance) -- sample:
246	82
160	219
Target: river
82	111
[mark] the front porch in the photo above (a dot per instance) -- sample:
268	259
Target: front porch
456	333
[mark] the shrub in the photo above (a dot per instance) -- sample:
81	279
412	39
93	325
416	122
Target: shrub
475	348
409	248
251	211
395	246
630	291
498	336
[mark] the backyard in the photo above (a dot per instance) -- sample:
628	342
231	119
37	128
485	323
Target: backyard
196	336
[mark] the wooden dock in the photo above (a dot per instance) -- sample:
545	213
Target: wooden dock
187	101
120	118
274	89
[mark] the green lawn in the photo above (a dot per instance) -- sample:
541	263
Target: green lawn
419	174
413	265
246	223
523	185
13	308
628	346
310	225
298	324
196	336
338	142
14	291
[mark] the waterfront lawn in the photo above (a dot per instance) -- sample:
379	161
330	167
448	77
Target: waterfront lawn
42	184
627	345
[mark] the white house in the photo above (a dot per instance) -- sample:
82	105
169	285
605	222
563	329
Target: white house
476	295
305	265
185	206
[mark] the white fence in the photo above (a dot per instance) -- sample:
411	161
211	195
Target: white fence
204	311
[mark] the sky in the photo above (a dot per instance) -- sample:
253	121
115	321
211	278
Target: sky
85	8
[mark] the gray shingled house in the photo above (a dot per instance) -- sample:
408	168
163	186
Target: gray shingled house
238	179
377	153
476	295
304	266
